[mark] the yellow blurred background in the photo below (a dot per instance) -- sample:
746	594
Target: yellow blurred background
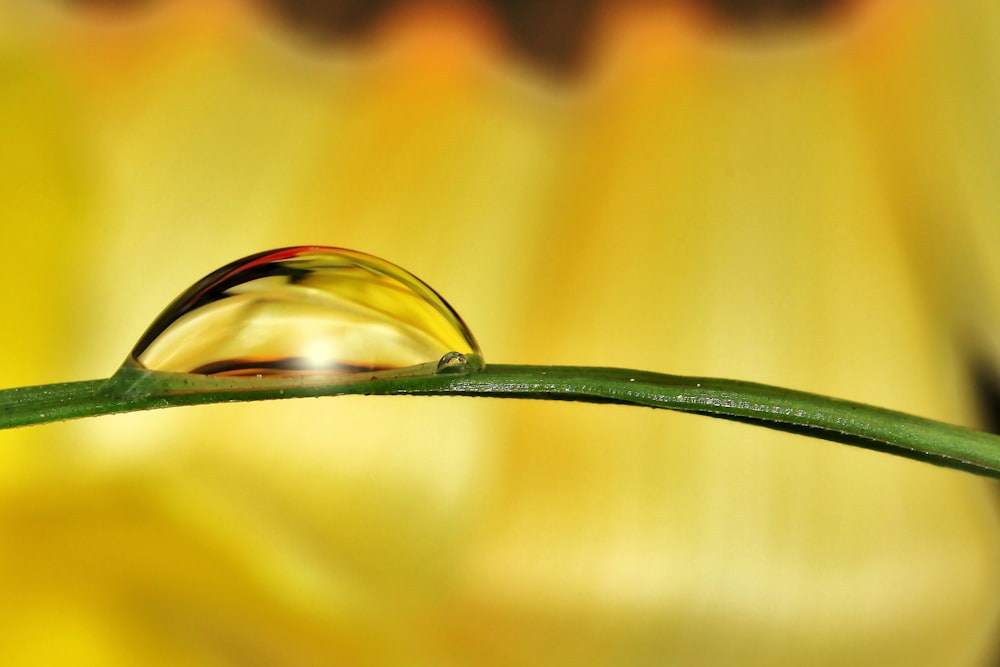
809	203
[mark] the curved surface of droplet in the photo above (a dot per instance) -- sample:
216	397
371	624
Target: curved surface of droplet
452	362
308	310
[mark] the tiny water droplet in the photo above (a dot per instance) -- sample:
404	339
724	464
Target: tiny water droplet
453	362
305	311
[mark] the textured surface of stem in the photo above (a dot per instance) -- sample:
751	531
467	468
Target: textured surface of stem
772	407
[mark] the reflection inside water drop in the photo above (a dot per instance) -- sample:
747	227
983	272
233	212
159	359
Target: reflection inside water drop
306	311
453	362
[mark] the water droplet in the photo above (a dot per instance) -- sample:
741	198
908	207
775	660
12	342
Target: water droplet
453	362
307	311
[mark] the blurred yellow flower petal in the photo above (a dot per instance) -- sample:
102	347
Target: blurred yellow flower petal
701	203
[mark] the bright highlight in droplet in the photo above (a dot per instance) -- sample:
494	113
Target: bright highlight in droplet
308	310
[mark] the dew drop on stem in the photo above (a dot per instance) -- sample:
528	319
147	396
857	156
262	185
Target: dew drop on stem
307	311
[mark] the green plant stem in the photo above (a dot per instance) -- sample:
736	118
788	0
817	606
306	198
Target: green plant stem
773	407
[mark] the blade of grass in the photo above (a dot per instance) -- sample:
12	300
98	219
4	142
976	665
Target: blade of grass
763	405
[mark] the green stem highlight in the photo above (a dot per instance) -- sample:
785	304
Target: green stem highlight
763	405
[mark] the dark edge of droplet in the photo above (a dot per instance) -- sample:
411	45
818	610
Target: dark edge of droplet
216	282
288	365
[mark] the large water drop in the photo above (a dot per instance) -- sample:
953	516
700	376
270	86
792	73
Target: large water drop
303	311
